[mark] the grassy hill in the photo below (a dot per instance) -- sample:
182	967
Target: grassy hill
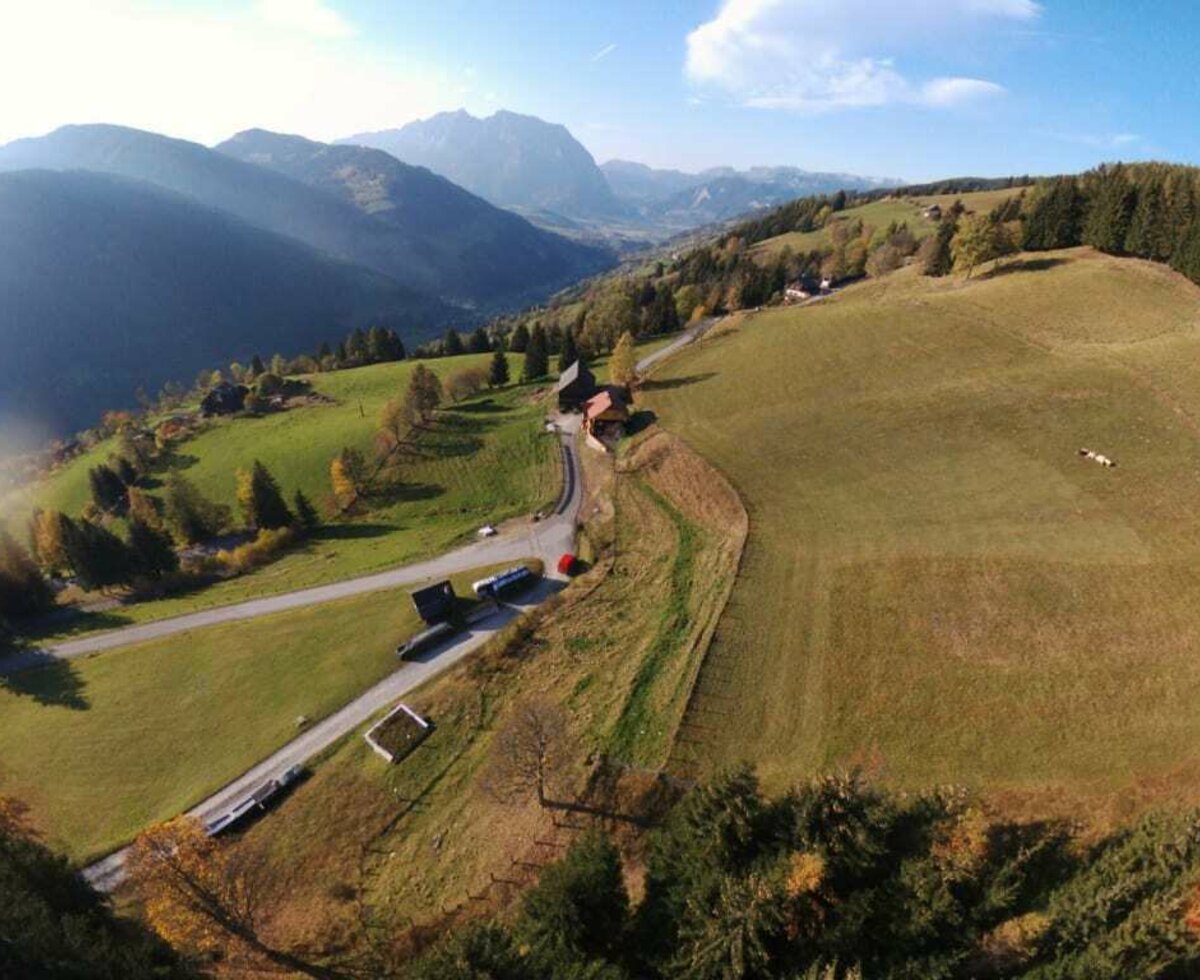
879	214
486	460
936	586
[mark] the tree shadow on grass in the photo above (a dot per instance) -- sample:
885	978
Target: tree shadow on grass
69	621
485	406
1025	265
640	420
45	679
668	384
350	532
405	493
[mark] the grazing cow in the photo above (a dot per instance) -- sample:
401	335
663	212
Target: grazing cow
1097	457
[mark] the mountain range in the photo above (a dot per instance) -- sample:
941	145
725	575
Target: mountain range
540	170
388	242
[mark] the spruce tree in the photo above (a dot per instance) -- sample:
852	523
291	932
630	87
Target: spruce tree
267	508
498	371
1146	237
518	341
256	366
100	559
306	513
108	490
479	342
537	360
396	351
570	350
151	551
1110	208
452	343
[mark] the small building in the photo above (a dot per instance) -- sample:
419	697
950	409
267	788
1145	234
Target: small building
575	386
435	602
795	293
605	409
933	212
224	399
826	286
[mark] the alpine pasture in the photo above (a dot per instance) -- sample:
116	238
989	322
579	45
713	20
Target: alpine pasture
936	586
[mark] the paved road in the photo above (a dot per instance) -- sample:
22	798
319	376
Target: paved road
546	540
691	334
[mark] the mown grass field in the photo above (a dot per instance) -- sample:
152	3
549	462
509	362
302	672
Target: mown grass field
102	746
936	587
487	459
880	214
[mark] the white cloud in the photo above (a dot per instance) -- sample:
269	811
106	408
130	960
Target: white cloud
604	52
206	73
815	55
305	16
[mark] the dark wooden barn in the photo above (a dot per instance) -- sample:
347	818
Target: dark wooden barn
575	386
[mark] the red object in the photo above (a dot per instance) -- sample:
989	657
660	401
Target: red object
566	563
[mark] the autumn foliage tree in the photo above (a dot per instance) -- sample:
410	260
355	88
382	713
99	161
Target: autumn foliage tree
623	366
348	473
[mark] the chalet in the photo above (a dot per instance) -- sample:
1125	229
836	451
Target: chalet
575	386
605	414
224	399
435	602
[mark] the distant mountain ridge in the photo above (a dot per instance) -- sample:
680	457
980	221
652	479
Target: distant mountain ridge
680	200
406	244
512	160
110	284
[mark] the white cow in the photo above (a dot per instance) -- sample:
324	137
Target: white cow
1097	457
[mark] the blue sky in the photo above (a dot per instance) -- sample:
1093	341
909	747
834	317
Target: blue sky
906	88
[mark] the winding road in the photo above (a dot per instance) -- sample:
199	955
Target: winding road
546	540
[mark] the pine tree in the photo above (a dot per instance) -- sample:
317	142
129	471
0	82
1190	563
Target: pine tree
256	366
519	339
306	513
100	559
188	515
377	345
452	344
396	351
498	370
479	342
151	551
570	351
1110	208
1053	216
537	359
1146	237
263	505
108	492
356	346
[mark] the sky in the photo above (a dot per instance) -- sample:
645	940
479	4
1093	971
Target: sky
912	89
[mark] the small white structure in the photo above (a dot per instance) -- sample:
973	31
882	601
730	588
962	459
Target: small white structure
1096	457
487	531
423	728
826	285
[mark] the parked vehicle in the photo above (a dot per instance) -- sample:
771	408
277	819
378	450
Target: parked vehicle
423	640
506	583
487	531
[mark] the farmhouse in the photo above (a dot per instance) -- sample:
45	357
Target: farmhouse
224	399
575	386
605	410
796	293
434	602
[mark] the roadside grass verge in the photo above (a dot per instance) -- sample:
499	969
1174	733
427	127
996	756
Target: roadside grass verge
102	746
421	837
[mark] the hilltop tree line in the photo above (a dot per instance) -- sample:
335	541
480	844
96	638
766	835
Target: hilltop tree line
839	880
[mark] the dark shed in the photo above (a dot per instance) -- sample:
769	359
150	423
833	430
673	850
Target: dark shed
575	386
434	602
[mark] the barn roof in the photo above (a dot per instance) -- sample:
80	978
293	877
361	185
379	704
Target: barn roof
599	404
577	371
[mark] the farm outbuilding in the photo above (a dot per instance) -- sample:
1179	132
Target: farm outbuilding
434	602
605	408
575	386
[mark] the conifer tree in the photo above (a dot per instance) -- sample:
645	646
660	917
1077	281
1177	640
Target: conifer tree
23	591
537	359
256	366
479	342
570	350
1110	209
188	515
452	344
151	551
306	513
100	559
262	503
518	341
108	492
498	370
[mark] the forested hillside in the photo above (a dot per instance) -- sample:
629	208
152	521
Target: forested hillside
111	285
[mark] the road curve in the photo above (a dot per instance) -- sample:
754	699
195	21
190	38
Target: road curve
546	540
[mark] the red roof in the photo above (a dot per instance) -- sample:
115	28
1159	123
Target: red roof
599	404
